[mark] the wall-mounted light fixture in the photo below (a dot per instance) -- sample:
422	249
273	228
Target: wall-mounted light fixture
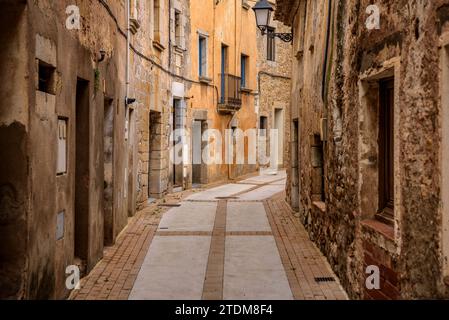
263	10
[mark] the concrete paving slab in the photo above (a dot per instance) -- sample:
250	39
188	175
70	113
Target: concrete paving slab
174	269
279	183
190	216
221	191
247	216
262	193
253	270
265	178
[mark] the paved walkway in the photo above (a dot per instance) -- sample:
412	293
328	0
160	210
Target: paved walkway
236	241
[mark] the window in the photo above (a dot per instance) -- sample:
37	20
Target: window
60	225
386	150
271	45
244	70
178	28
46	78
156	20
224	69
62	146
318	163
263	125
202	46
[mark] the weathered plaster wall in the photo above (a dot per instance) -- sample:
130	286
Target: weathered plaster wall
41	259
14	127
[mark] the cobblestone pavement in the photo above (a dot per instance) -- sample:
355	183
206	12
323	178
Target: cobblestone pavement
236	241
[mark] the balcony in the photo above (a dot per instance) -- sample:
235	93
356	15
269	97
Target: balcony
230	95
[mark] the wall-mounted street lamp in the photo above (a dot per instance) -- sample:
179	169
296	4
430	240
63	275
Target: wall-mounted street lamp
263	10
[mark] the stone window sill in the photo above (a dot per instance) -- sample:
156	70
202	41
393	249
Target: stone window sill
158	45
179	49
379	227
245	90
205	80
320	205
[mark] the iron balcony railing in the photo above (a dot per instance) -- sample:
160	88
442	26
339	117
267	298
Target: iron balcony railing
230	94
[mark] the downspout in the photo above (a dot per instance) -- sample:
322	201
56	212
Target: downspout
169	35
128	43
232	141
234	113
324	93
127	125
326	53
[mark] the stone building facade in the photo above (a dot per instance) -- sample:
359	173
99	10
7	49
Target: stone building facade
370	115
95	96
62	125
160	83
84	129
222	96
274	61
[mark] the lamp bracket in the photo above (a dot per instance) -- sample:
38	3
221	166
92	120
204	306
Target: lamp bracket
286	37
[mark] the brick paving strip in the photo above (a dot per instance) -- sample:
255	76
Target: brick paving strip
302	260
114	277
213	283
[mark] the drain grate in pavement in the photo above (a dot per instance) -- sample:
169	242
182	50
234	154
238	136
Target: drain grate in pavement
324	279
227	198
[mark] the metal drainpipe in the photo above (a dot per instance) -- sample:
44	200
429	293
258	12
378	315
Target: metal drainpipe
232	141
169	35
323	85
127	125
128	27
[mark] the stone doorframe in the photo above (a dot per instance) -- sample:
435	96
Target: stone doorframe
368	143
200	115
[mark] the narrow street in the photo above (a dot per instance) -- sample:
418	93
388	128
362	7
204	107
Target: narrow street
234	241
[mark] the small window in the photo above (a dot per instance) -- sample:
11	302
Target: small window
60	218
62	146
271	45
263	125
46	78
318	174
178	28
386	151
202	45
244	70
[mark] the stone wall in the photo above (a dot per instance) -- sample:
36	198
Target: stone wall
153	78
274	90
344	224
